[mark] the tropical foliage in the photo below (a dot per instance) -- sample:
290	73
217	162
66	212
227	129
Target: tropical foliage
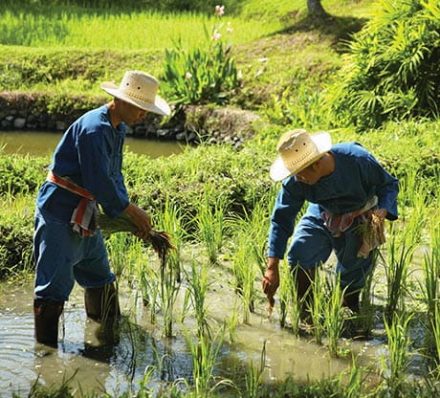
202	74
392	71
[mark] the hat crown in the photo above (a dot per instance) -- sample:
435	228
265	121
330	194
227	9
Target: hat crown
297	149
139	86
296	146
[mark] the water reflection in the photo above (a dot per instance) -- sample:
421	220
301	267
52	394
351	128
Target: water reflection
43	143
119	365
85	357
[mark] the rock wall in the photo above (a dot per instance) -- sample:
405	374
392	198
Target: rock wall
192	124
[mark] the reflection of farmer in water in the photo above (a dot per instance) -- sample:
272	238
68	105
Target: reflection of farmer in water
86	169
350	195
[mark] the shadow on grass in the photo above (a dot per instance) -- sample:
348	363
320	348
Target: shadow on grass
339	29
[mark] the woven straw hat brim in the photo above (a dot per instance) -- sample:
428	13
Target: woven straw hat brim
279	171
160	106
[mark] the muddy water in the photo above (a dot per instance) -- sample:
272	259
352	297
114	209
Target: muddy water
98	366
43	143
95	365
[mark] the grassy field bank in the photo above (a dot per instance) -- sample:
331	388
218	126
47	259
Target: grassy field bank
69	52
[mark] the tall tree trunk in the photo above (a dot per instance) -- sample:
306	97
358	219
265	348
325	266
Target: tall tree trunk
316	9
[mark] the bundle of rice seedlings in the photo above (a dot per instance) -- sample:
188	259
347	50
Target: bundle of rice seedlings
159	240
373	234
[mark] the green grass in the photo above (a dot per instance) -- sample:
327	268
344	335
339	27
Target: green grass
120	31
286	61
69	51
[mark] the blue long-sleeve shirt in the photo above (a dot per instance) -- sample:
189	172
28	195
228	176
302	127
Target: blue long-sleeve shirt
90	153
356	178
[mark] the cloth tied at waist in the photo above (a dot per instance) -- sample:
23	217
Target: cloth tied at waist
84	215
371	228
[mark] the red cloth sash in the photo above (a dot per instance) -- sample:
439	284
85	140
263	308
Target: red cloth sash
83	219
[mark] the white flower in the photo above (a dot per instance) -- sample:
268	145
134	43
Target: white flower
188	75
219	10
239	75
216	36
229	28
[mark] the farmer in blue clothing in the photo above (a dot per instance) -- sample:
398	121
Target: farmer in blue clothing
85	171
346	189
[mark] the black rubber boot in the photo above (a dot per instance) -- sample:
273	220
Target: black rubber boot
351	300
47	315
102	303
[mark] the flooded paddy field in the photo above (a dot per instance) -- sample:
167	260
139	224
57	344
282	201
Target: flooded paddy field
93	364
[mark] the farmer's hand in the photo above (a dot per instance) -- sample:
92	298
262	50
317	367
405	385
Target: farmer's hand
271	279
140	219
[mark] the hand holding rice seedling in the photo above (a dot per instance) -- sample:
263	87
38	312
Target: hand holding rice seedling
159	240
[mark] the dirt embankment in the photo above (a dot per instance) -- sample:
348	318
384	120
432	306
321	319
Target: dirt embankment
32	111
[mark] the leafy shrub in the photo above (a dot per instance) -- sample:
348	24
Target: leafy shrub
15	244
21	175
392	70
201	75
299	107
206	172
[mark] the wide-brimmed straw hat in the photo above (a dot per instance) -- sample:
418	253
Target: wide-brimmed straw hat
139	89
298	149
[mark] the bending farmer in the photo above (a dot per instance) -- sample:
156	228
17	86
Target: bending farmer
86	170
347	189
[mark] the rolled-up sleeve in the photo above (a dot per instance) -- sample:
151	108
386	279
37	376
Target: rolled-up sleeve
286	208
98	176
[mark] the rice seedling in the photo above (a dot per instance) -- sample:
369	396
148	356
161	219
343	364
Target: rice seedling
244	269
317	305
159	240
135	257
254	376
149	287
394	367
294	304
171	220
436	334
117	245
399	255
196	295
430	286
365	319
353	386
231	323
65	389
408	186
211	226
169	290
110	304
334	315
284	292
145	391
257	227
205	351
290	304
